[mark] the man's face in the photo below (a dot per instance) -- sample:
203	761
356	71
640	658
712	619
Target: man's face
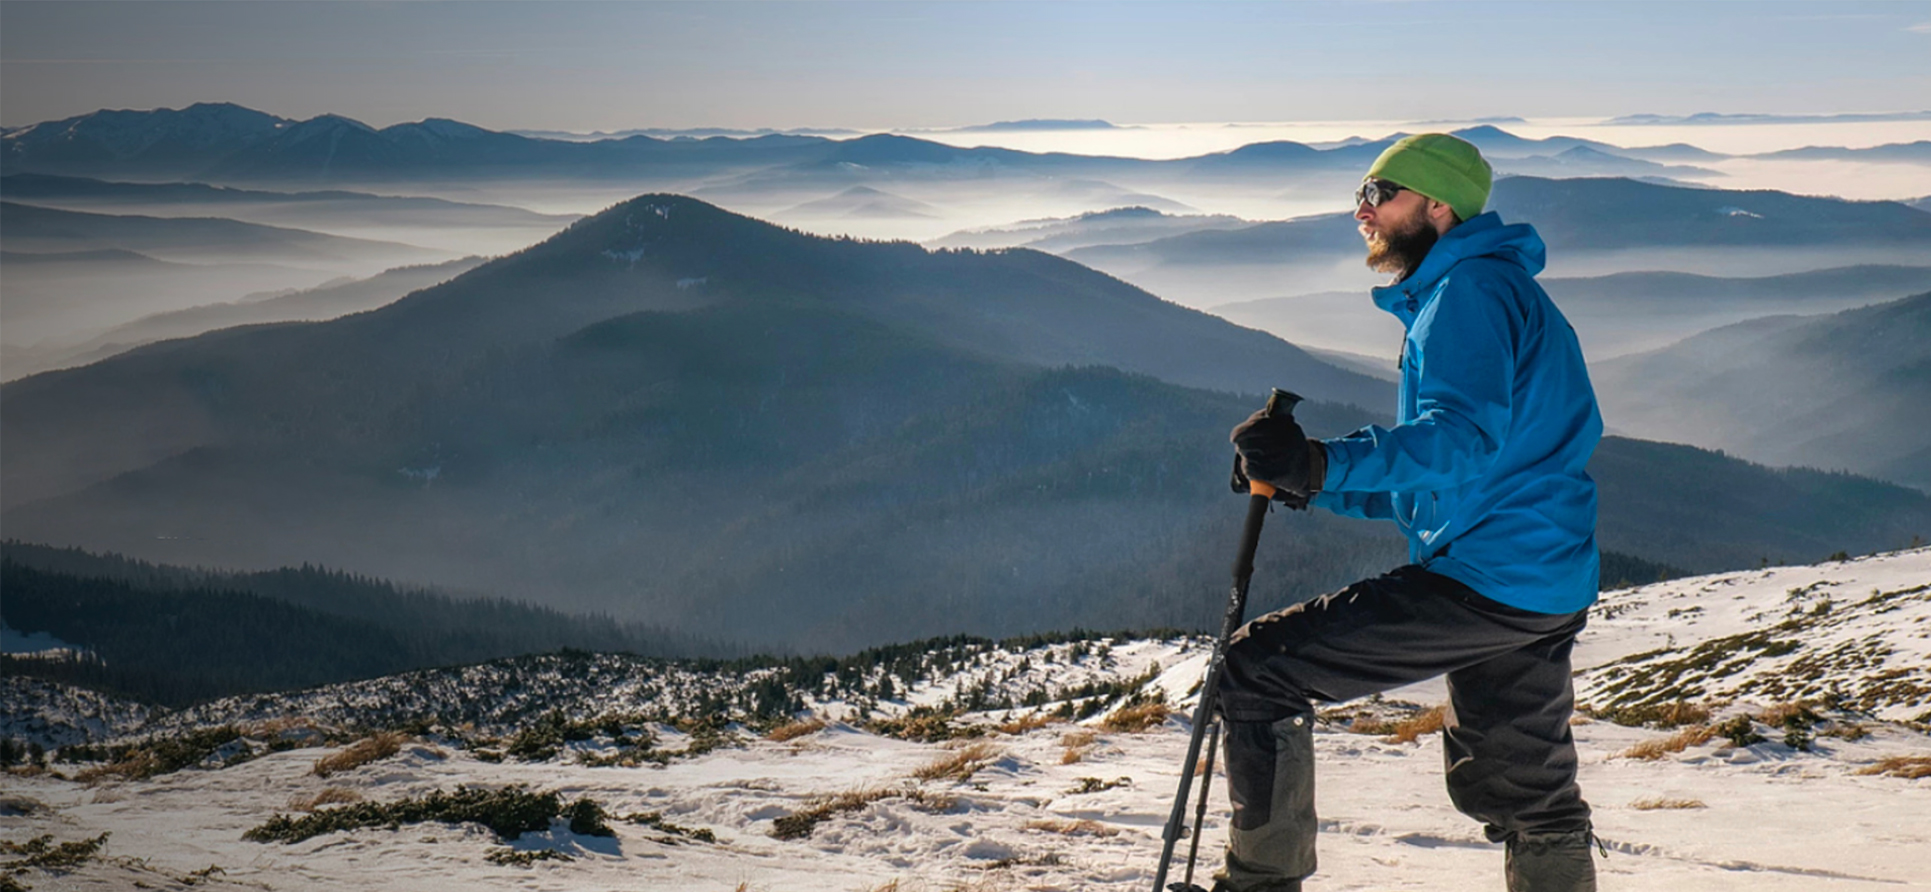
1398	232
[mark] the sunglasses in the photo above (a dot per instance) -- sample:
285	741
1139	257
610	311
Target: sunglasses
1374	192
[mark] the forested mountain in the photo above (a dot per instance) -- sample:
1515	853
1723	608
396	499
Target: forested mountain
1847	390
1614	315
173	635
327	301
688	417
33	229
260	206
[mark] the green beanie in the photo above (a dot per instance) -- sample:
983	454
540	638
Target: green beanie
1442	167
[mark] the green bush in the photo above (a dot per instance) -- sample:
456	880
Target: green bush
1740	731
509	811
587	818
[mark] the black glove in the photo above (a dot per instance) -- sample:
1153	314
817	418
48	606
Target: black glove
1274	450
1293	500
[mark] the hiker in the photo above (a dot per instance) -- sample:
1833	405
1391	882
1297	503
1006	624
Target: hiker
1484	472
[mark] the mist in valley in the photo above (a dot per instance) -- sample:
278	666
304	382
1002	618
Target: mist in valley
446	489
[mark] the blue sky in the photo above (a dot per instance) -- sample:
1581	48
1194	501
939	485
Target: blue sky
584	66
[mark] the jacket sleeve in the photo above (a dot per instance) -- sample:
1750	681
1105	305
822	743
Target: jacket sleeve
1365	505
1462	368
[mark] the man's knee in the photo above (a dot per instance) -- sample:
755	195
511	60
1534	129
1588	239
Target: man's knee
1257	684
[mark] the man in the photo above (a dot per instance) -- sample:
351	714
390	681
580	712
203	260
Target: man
1484	472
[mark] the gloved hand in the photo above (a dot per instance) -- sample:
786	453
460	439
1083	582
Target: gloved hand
1274	450
1293	500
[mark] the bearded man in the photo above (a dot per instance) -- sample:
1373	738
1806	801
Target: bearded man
1484	472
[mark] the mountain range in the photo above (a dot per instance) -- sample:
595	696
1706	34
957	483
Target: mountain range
1611	224
326	301
689	417
226	143
1614	315
1846	390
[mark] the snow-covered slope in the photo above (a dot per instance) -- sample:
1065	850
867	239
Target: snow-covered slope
1060	805
1855	633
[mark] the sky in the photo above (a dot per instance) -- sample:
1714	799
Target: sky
883	65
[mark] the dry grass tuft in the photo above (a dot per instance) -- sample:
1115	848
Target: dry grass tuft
1428	721
1026	723
328	796
1789	715
1652	750
960	764
1072	828
1851	731
1136	719
1655	802
380	745
799	824
797	729
1907	767
1077	744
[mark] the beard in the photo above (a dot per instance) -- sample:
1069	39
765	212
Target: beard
1400	249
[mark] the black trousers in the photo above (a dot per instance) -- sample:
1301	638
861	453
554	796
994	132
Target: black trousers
1511	760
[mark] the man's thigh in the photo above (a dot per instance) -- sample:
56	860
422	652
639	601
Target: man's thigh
1402	627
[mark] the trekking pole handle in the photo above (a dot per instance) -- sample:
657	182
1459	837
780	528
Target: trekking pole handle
1280	402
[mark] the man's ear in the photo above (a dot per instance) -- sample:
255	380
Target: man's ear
1441	215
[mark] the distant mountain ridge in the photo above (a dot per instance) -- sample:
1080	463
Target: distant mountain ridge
1846	390
226	143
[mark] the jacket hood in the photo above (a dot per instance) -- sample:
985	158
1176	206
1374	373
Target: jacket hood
1483	236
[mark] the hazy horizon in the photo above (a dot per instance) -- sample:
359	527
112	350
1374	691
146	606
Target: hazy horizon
591	67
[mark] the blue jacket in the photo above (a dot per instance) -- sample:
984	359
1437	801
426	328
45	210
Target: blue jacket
1484	468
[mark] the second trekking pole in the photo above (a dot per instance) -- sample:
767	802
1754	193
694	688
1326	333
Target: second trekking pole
1259	494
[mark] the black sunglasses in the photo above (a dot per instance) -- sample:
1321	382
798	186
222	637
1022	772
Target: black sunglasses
1374	192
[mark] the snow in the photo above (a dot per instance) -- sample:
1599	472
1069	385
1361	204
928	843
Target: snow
1771	817
17	643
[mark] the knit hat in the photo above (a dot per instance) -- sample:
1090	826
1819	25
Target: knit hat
1442	167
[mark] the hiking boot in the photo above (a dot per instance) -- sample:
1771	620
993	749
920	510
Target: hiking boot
1551	862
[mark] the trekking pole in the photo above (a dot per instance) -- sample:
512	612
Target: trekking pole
1259	494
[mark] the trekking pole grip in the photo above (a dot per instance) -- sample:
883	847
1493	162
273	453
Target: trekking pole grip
1279	403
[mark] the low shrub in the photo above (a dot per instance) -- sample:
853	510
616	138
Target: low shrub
587	818
40	852
1658	802
513	858
925	727
799	824
1674	714
655	820
508	811
1084	827
1095	785
1739	730
166	755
